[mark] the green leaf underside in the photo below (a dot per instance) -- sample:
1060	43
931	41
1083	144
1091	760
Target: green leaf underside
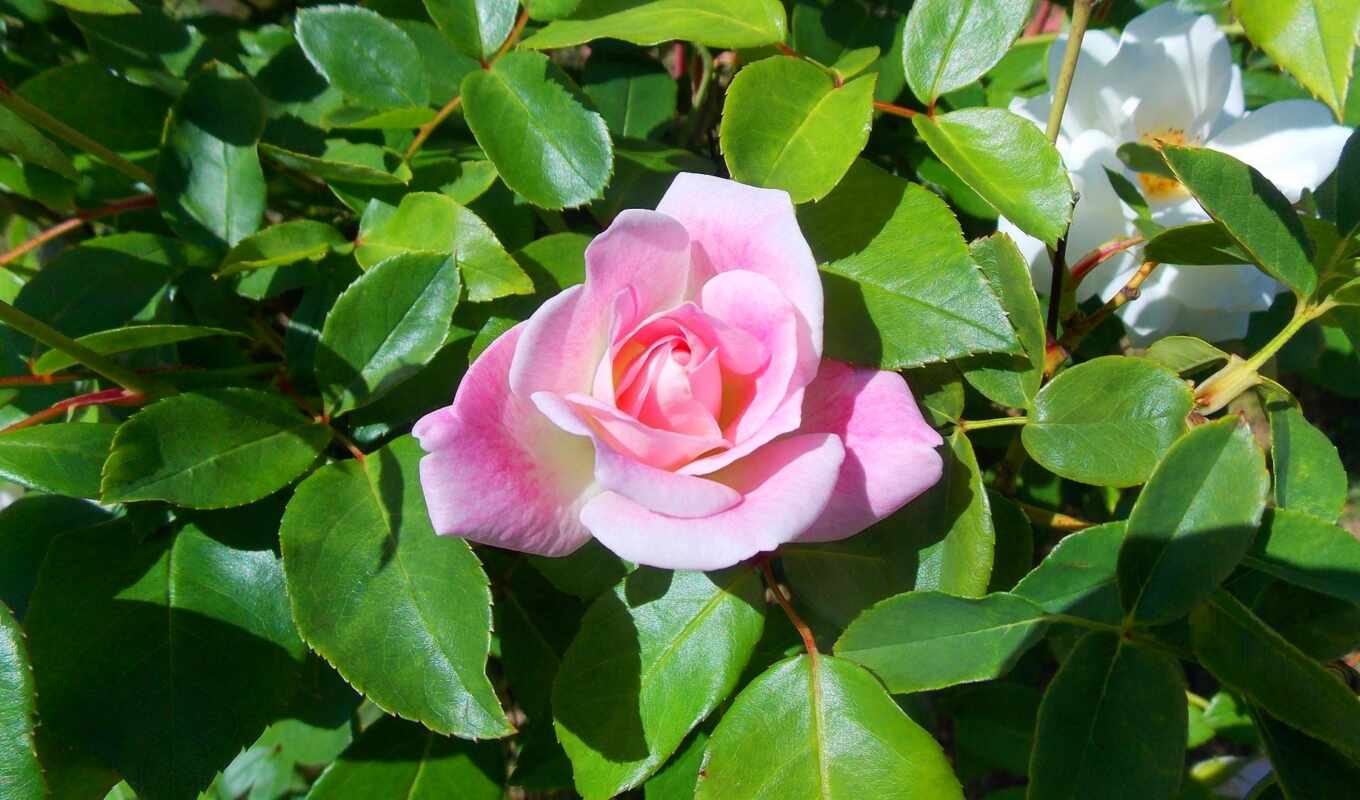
1193	521
1313	39
1085	746
929	640
909	272
1107	421
787	125
1005	159
210	450
716	23
161	657
1259	665
21	776
621	709
839	735
122	340
370	584
384	327
64	459
546	143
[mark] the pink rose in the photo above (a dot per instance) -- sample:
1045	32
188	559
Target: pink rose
676	406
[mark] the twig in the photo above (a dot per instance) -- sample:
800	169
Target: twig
979	424
1081	17
116	207
106	397
1100	255
1077	331
809	642
1054	519
70	135
889	108
428	128
513	37
108	368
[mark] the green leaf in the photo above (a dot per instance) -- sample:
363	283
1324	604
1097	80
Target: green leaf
110	7
1144	158
920	641
1006	159
1255	213
60	458
1322	626
1077	578
938	389
1196	244
27	527
1258	664
282	244
209	180
1348	186
21	776
636	97
536	127
1309	476
585	573
948	44
346	162
1185	354
1107	421
1305	767
434	223
787	125
162	656
716	23
28	143
653	658
1313	39
394	758
904	291
385	327
368	58
88	97
1193	521
475	27
213	449
1112	725
122	340
1006	379
371	584
955	518
1304	550
839	735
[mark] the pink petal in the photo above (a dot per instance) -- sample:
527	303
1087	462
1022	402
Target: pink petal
890	453
735	226
498	472
567	336
661	449
659	490
786	418
784	487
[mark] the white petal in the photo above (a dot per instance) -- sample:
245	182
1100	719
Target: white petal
1294	143
1180	66
1088	105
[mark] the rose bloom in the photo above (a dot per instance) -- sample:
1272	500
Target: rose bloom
1171	78
676	406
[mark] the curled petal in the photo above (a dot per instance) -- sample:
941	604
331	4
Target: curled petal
784	487
890	455
497	471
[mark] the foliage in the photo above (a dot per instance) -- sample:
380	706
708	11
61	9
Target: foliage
247	246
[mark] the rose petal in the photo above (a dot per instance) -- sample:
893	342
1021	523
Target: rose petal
890	455
567	336
784	487
1294	143
500	473
662	449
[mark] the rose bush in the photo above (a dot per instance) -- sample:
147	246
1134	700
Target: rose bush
677	406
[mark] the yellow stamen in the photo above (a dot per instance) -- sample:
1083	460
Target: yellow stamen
1158	187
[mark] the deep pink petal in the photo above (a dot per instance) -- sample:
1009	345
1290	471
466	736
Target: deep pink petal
890	455
784	487
735	226
497	471
567	336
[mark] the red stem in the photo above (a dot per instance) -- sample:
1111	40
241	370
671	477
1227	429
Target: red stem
104	397
1100	255
889	108
116	207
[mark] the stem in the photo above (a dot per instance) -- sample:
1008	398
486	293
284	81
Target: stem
889	108
1081	17
513	37
56	231
1057	257
1083	622
97	363
1302	317
425	130
705	76
1099	256
1075	333
809	642
72	136
1054	520
999	422
106	397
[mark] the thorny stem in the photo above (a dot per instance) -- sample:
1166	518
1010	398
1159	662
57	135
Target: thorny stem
41	331
61	228
1058	352
809	642
70	135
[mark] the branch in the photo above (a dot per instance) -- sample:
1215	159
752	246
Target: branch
96	362
1053	519
428	128
71	136
1081	17
106	397
809	641
1058	351
61	228
1100	255
889	108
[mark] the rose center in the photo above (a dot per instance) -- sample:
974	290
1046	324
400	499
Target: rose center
1159	188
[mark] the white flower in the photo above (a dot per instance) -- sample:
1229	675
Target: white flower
1171	78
